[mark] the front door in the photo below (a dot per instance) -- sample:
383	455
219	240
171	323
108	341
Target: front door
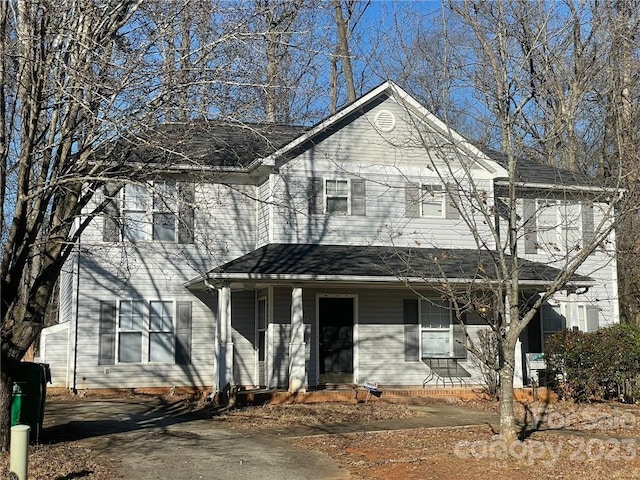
336	340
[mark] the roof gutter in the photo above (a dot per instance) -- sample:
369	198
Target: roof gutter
574	188
222	277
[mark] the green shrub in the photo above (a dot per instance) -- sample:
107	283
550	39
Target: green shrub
595	366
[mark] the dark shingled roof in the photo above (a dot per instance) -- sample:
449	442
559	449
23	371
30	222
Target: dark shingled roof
354	261
212	143
530	171
228	144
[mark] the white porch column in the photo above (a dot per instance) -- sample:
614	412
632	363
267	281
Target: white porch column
296	343
518	381
224	339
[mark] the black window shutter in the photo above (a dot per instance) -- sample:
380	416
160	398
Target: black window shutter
411	331
530	226
587	223
411	200
459	339
186	195
452	201
358	195
107	334
593	320
315	192
111	215
183	333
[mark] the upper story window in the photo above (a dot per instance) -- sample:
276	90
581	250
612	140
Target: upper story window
337	196
431	200
135	207
165	212
557	225
161	211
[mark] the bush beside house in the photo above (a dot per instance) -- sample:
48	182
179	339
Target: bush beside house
601	365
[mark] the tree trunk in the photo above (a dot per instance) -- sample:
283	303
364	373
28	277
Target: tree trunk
271	98
6	392
343	49
508	429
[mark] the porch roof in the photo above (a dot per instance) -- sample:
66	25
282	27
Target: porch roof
309	262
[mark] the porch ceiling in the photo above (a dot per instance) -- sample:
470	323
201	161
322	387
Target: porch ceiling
308	262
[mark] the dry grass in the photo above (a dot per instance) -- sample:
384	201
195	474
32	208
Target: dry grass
63	461
291	415
475	453
607	444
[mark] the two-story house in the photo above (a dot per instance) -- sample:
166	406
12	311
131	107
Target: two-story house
294	258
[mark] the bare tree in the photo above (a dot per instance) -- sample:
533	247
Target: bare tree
502	216
279	18
620	141
62	72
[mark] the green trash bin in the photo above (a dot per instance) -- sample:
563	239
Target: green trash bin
29	396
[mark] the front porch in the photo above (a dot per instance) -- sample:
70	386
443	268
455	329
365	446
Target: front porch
304	317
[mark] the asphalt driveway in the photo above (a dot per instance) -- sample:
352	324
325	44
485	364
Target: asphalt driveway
153	440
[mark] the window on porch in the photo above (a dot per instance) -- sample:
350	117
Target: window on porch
441	335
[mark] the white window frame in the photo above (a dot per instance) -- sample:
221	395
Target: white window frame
581	312
560	225
164	202
171	331
262	330
130	208
423	329
327	196
123	330
145	348
427	190
151	210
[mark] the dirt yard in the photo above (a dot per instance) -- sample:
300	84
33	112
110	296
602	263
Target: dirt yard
575	441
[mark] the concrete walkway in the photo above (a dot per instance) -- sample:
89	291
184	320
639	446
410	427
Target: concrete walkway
153	440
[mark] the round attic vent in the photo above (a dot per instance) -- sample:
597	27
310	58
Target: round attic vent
385	121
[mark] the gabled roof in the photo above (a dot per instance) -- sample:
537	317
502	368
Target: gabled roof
212	143
369	100
347	262
235	145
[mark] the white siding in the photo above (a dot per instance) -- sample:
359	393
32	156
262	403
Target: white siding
379	346
229	222
140	276
66	282
54	350
359	151
264	211
600	266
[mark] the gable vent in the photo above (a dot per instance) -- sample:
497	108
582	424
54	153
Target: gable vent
385	121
